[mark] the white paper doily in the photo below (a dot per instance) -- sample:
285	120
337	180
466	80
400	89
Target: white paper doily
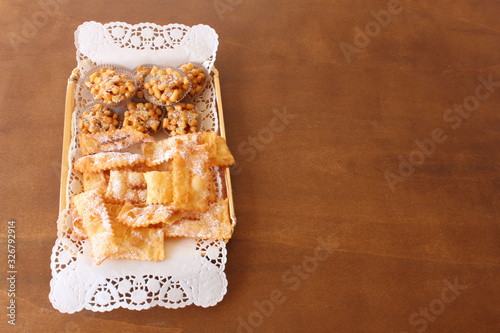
145	43
193	271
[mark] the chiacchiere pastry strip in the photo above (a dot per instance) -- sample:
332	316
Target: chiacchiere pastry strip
114	240
213	224
135	216
190	189
159	187
111	140
77	231
107	161
126	186
95	180
143	243
96	223
215	148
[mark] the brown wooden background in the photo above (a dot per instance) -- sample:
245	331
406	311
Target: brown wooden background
323	175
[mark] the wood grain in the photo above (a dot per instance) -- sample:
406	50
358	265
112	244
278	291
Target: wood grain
319	173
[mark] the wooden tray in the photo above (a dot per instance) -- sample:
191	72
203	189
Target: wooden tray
68	113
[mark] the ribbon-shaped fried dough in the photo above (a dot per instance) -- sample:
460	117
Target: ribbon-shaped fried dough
223	155
106	161
209	141
96	223
111	140
149	215
160	151
77	231
190	189
216	150
183	187
141	243
159	187
111	239
97	180
213	224
216	146
126	186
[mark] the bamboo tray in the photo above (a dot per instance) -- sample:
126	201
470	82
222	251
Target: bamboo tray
68	113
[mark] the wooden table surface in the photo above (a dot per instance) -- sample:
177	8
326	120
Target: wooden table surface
367	138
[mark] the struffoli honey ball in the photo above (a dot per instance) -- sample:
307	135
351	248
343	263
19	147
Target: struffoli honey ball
196	76
109	87
99	119
143	117
181	119
167	85
140	77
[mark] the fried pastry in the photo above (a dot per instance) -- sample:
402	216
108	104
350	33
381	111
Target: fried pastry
213	224
141	243
190	189
126	186
96	223
77	231
111	140
107	161
111	239
95	180
203	145
159	187
134	216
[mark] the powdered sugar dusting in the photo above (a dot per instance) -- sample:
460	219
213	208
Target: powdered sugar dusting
107	161
126	186
111	140
195	155
213	224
